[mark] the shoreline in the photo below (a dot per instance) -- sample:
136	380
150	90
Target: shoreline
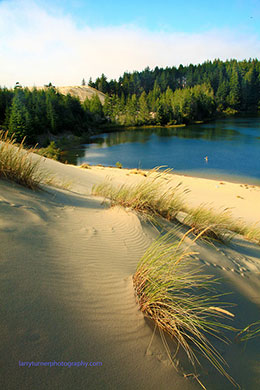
235	179
241	198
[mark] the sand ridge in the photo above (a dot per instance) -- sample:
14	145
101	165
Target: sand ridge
66	266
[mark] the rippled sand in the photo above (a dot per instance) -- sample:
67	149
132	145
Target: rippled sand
66	265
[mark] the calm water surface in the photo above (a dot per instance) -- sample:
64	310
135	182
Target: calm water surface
232	146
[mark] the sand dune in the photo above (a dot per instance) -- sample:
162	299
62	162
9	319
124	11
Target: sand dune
82	92
66	288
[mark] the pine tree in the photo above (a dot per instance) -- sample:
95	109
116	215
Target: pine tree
144	115
20	122
222	93
51	111
234	97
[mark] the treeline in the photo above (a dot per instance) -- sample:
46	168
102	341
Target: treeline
159	96
32	113
183	94
181	106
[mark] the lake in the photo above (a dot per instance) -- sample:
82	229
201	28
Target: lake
224	149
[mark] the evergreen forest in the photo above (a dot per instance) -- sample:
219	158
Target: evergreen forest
169	96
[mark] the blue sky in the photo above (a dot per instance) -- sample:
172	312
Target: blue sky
64	41
167	15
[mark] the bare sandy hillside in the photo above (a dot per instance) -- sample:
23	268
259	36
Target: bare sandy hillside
82	92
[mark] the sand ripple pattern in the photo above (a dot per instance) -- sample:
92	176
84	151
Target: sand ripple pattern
66	294
66	266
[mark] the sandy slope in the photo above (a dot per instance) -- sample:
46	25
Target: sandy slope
66	292
82	92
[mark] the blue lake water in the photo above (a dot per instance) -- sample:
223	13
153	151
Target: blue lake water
232	147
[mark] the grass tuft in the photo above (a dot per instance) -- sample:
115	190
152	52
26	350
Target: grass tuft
217	226
146	196
153	197
85	166
252	233
173	292
17	164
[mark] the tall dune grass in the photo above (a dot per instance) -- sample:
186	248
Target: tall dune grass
17	164
152	197
251	232
172	290
218	226
146	196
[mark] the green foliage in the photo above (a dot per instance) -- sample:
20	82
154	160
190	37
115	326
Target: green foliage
119	165
6	97
182	95
31	113
234	97
159	96
51	151
94	107
20	119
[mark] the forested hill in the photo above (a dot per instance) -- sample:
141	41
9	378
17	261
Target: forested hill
152	97
183	94
38	113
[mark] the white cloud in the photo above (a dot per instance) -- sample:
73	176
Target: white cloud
37	47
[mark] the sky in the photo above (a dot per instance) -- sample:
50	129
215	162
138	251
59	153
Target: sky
63	42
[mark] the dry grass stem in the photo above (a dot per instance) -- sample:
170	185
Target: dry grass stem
172	290
145	197
17	164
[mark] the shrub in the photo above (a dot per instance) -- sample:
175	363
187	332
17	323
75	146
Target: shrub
51	151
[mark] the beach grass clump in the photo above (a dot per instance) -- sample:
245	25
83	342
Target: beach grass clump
219	226
145	197
252	233
85	166
138	172
172	290
17	164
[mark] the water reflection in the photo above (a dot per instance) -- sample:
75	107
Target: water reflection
232	146
144	135
72	156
